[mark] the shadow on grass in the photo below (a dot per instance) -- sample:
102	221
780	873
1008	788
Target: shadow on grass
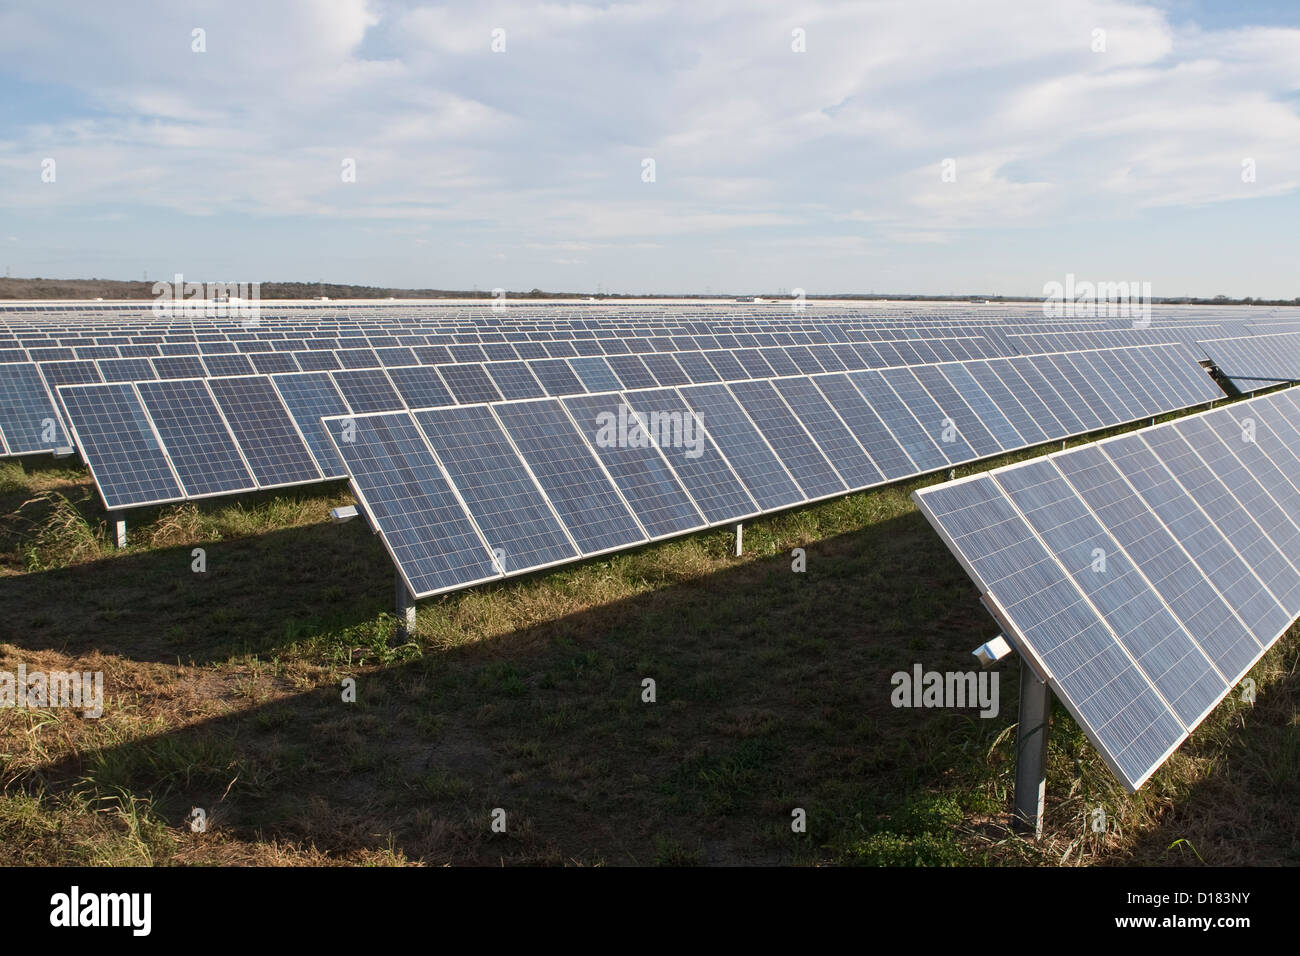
772	693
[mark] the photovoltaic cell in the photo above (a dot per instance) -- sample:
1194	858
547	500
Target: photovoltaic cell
569	473
830	433
124	456
514	517
411	503
27	416
264	430
556	377
311	396
367	390
195	437
716	490
651	489
514	380
420	386
595	374
788	438
744	447
469	383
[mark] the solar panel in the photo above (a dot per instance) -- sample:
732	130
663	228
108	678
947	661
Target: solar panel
311	396
469	383
556	377
409	501
652	491
631	371
514	380
595	374
691	453
788	438
499	493
420	386
1144	575
745	448
234	364
119	446
585	498
367	390
889	432
830	432
126	370
195	437
275	451
179	366
28	420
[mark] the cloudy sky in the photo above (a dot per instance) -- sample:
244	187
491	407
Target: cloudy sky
909	146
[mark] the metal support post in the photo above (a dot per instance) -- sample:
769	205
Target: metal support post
740	539
1031	752
118	520
405	608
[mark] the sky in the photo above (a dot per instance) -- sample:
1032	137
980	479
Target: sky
969	146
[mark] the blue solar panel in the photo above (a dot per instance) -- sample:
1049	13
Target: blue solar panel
696	365
1000	394
420	386
654	493
934	420
717	492
126	370
1204	543
987	412
310	397
114	435
357	358
1123	713
1152	547
179	366
28	420
881	423
556	377
568	471
469	383
631	371
1040	388
965	420
788	438
367	390
746	450
665	369
234	364
516	520
264	430
273	362
410	502
1037	410
320	360
514	380
830	433
195	437
1165	653
595	374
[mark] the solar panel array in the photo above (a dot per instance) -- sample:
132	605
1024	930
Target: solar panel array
1256	362
550	480
1141	576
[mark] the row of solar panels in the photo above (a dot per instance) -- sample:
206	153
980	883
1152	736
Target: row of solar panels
468	494
27	390
156	442
1256	362
1144	575
1039	340
392	351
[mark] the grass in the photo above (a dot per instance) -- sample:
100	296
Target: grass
225	693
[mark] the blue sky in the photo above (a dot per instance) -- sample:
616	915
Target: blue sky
774	169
